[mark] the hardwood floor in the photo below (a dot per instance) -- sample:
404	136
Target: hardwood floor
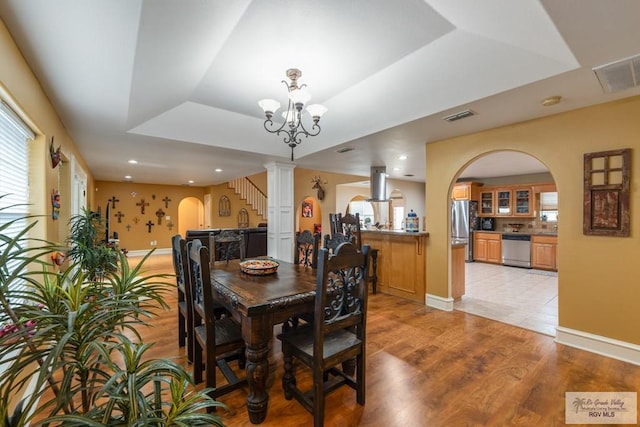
435	368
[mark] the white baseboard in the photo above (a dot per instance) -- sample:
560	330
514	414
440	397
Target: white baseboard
143	252
604	346
438	302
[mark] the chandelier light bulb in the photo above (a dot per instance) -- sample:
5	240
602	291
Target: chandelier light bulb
269	105
316	110
299	96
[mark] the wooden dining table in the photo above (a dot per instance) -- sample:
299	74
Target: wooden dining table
259	303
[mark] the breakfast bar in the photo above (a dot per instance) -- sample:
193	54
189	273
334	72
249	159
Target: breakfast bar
401	261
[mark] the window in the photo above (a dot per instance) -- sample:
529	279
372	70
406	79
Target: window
14	170
364	209
549	206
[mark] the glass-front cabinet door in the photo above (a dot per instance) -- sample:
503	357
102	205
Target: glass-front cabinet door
523	202
503	201
486	203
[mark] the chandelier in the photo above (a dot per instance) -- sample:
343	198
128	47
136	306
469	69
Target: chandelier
293	128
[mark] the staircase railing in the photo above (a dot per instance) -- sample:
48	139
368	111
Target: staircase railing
248	192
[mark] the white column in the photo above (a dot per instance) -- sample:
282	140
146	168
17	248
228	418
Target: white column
280	211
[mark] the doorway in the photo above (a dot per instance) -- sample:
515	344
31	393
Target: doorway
190	215
524	297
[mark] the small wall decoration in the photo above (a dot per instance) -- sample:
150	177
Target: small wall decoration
307	209
318	185
133	194
153	197
149	224
243	218
128	227
55	204
142	205
170	225
58	258
606	193
160	214
113	201
166	201
136	220
119	215
224	206
56	157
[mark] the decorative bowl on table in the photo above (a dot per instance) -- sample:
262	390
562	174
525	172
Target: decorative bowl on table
259	267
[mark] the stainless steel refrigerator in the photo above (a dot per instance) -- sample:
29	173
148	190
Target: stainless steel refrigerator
464	219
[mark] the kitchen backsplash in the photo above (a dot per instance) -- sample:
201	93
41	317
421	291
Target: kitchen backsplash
525	225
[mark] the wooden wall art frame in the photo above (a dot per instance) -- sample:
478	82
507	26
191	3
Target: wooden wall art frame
606	193
224	206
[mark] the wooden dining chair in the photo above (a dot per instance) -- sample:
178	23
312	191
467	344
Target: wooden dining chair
307	246
337	335
228	245
343	229
185	321
220	339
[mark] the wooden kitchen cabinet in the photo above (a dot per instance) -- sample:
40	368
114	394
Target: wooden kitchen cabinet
465	191
487	247
487	207
504	198
402	262
544	250
523	201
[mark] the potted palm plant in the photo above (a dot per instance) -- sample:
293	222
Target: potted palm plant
72	343
87	246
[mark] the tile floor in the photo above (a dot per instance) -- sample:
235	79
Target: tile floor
518	296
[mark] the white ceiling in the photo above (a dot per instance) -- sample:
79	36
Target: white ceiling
175	84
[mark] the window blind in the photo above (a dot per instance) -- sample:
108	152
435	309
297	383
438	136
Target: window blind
14	176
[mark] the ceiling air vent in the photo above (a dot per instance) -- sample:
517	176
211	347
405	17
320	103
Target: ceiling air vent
460	115
344	150
619	75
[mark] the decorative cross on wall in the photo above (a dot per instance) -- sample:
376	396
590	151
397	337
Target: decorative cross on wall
142	205
170	225
113	201
128	227
149	224
119	215
160	213
166	201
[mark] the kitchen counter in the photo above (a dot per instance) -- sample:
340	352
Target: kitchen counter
396	232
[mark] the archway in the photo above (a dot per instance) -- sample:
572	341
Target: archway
525	296
190	215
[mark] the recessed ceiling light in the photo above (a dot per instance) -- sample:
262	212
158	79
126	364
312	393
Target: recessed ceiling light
127	177
396	169
552	100
133	162
217	170
191	181
403	157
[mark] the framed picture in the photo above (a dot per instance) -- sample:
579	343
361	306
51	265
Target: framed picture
307	209
606	193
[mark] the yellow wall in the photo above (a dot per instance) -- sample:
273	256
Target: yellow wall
137	237
20	89
598	288
236	203
302	190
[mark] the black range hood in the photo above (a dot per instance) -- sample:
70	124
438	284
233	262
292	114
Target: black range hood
378	184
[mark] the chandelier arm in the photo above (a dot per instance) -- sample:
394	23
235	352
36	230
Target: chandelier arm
309	133
269	123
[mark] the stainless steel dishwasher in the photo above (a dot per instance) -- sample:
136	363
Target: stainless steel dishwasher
516	250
